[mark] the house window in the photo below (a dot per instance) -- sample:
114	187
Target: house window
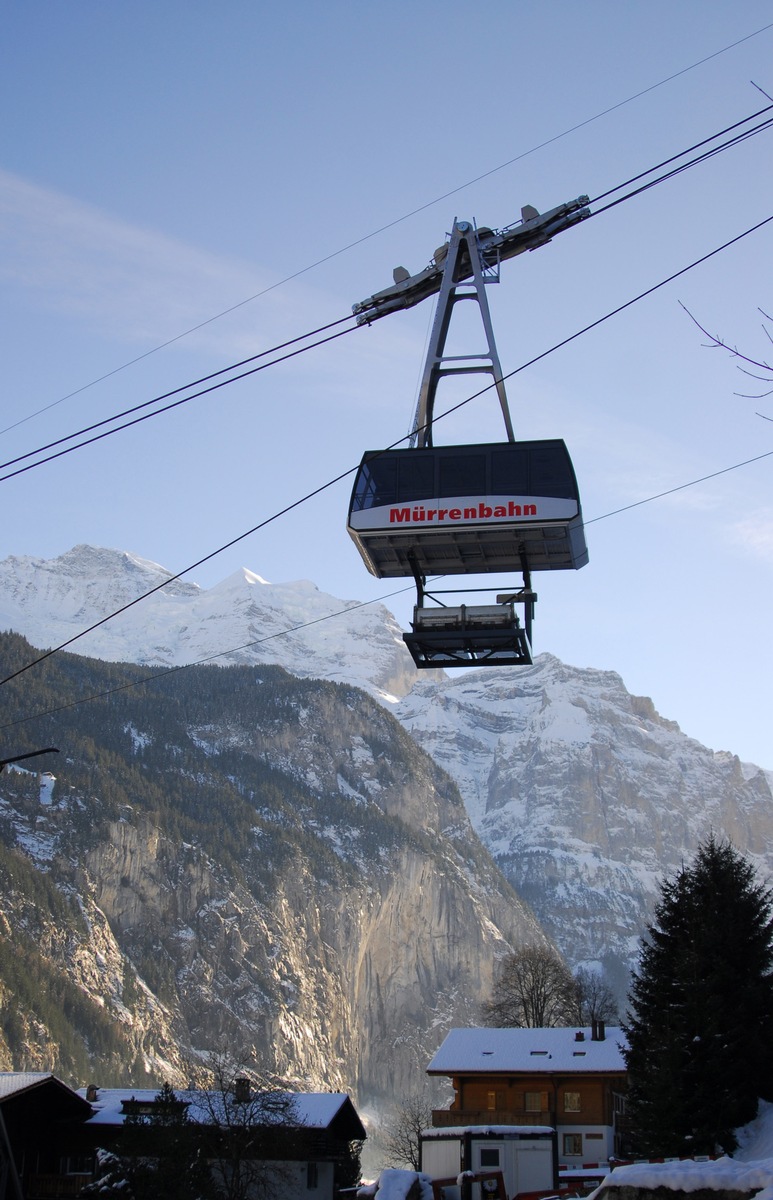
491	1101
532	1101
572	1144
77	1164
571	1101
489	1157
312	1176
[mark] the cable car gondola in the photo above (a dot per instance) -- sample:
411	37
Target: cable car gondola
466	510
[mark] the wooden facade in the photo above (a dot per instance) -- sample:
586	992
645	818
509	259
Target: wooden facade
557	1077
49	1136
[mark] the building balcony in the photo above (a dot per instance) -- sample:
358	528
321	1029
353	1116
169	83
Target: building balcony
443	1118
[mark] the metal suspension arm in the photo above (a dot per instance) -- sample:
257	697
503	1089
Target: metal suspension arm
464	277
533	230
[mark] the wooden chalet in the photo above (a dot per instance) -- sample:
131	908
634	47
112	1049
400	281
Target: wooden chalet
50	1134
572	1079
39	1122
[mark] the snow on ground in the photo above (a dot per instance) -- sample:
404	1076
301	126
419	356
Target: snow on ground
749	1170
393	1184
723	1174
755	1141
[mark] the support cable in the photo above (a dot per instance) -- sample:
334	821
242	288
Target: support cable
167	671
398	220
351	470
696	146
739	137
176	404
175	391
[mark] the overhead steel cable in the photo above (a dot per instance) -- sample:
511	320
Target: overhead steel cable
398	220
704	157
682	153
351	470
185	571
739	137
176	404
165	672
175	391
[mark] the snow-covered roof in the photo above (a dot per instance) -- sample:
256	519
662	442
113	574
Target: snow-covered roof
315	1110
12	1082
724	1174
478	1050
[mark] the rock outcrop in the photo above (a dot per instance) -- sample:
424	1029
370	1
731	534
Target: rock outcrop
236	858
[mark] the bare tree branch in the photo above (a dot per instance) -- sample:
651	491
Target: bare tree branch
401	1131
717	343
595	998
253	1120
533	988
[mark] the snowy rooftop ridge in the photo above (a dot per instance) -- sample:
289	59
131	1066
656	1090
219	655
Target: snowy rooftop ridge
314	1110
566	1050
12	1082
450	1131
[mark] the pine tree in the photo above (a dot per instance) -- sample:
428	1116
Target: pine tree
162	1152
700	1027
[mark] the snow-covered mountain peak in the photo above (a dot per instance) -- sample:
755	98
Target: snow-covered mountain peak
242	619
244	580
100	562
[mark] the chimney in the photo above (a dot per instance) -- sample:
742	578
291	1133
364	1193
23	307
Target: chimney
242	1090
579	1036
598	1031
91	1093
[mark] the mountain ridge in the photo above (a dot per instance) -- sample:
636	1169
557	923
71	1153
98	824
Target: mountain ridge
238	620
583	794
235	856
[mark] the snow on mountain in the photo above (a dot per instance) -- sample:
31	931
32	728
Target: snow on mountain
582	793
243	619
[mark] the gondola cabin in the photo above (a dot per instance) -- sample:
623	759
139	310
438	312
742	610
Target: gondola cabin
468	510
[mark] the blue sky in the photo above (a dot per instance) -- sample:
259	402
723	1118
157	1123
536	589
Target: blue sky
163	162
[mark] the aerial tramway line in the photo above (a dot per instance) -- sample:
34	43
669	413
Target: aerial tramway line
492	508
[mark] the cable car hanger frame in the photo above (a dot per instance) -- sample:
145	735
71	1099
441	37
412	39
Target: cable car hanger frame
473	509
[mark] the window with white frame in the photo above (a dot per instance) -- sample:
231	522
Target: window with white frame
572	1144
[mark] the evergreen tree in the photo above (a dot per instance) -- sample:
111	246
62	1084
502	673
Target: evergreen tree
163	1154
700	1026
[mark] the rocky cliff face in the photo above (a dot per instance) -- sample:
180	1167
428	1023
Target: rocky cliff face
584	795
237	858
